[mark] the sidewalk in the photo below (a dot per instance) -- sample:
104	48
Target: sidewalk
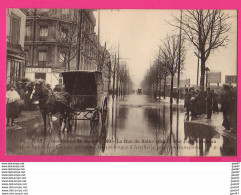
24	117
202	124
167	100
215	123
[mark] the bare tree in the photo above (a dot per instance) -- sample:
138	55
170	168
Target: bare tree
163	72
152	78
207	31
123	78
169	54
66	38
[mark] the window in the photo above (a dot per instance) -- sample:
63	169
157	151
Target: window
62	59
28	30
64	33
27	33
40	76
43	33
26	57
42	58
15	30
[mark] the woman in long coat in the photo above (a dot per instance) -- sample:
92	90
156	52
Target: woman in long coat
12	97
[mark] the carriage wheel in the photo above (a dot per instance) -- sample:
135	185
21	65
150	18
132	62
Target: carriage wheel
103	138
94	121
104	111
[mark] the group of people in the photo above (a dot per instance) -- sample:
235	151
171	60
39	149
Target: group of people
17	99
206	102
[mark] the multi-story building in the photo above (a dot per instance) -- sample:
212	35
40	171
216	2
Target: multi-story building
16	19
54	43
105	67
89	41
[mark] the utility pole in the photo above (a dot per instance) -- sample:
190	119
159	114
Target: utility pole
113	89
179	61
34	32
118	67
98	44
159	76
79	39
165	77
198	68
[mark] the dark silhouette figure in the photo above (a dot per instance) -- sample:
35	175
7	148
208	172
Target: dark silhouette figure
226	101
209	100
215	102
187	103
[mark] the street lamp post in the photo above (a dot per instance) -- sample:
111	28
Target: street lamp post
207	73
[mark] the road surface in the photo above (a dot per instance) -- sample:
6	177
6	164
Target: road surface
136	126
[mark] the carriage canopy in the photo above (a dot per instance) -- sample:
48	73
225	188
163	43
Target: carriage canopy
82	82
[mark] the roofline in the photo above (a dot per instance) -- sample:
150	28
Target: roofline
82	71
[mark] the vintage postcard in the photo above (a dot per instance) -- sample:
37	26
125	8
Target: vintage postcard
121	83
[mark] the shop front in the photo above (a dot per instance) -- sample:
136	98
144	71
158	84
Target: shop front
15	64
45	74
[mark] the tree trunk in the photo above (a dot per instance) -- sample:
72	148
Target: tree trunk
69	60
164	87
108	87
117	87
68	65
171	92
120	89
113	87
160	89
156	89
202	78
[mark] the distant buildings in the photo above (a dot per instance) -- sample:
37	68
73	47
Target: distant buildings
16	19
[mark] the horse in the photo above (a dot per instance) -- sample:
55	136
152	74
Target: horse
51	103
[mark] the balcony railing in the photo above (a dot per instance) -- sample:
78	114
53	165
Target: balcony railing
42	63
43	38
28	38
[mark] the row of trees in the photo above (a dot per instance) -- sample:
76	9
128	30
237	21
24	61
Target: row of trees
122	83
171	55
206	30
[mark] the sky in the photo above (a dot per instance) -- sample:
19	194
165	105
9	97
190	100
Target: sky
140	32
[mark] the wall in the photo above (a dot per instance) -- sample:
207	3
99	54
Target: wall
22	17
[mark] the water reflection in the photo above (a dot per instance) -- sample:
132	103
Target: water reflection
160	130
136	126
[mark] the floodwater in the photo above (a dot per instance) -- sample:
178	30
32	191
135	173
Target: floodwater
135	126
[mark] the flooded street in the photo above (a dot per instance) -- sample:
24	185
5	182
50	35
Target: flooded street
135	126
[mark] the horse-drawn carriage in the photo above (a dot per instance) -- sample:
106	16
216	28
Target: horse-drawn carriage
87	96
83	98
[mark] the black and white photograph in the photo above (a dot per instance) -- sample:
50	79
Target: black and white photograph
121	82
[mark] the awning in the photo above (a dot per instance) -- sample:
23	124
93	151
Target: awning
16	58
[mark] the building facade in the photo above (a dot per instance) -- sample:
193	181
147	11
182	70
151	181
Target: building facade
54	43
89	40
16	19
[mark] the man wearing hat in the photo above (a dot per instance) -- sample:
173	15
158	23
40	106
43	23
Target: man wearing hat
209	103
20	90
226	99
